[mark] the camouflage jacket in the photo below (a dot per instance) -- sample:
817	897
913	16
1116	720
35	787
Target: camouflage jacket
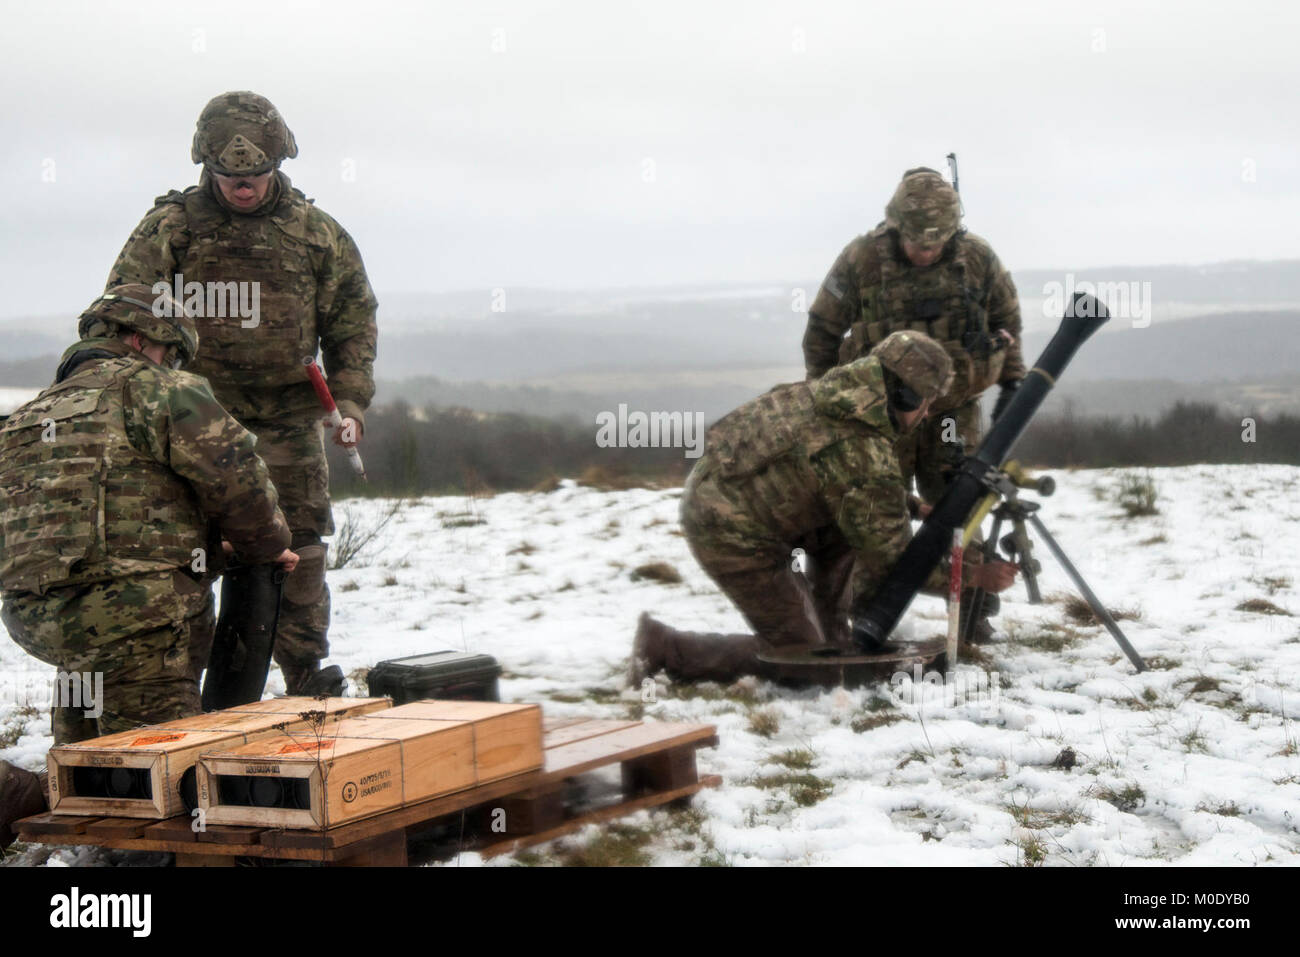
962	301
311	286
801	460
119	468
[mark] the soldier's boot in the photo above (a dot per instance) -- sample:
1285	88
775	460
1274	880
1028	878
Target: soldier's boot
20	797
982	632
689	656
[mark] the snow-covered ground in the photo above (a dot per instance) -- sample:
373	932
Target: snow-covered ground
1195	762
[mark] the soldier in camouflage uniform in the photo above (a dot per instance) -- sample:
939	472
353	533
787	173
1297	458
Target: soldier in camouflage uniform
919	270
245	223
811	466
117	485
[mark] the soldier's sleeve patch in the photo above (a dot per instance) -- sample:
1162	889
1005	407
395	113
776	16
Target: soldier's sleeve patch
832	285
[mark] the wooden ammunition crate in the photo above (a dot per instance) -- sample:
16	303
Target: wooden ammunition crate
160	758
368	765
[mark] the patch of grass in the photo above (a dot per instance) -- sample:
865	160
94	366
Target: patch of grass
1031	851
764	722
1081	613
1137	495
1162	663
914	755
693	823
1272	584
1037	819
739	692
805	789
1051	637
547	485
349	586
608	480
523	548
528	859
1228	809
567	697
1202	684
1160	539
602	695
869	722
798	759
390	581
1194	740
1127	798
10	734
660	572
1262	606
463	521
618	845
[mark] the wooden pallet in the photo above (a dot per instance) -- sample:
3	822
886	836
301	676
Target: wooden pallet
656	762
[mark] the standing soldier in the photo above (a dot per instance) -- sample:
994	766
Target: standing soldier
811	466
117	485
244	223
920	271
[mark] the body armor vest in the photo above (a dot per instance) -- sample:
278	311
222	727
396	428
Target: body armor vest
940	301
274	250
78	502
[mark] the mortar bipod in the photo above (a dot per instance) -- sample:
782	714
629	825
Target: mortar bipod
1004	503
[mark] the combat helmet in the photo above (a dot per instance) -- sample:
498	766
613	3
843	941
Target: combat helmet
241	133
156	316
924	209
921	366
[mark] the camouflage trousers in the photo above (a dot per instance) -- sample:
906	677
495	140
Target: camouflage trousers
146	637
782	606
293	449
924	454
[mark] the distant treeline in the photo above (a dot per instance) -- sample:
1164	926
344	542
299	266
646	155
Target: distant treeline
1189	433
454	451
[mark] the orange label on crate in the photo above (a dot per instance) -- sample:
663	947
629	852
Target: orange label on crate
156	739
310	746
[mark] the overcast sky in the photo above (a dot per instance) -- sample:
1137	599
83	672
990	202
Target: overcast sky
587	144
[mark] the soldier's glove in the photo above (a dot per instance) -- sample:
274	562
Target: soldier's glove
1007	390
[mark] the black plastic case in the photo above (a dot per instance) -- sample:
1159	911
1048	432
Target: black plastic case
449	675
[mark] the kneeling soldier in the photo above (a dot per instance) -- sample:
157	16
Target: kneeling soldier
810	466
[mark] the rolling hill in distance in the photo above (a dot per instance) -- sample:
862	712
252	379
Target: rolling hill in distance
1223	333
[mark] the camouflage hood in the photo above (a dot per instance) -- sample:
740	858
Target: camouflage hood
855	391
